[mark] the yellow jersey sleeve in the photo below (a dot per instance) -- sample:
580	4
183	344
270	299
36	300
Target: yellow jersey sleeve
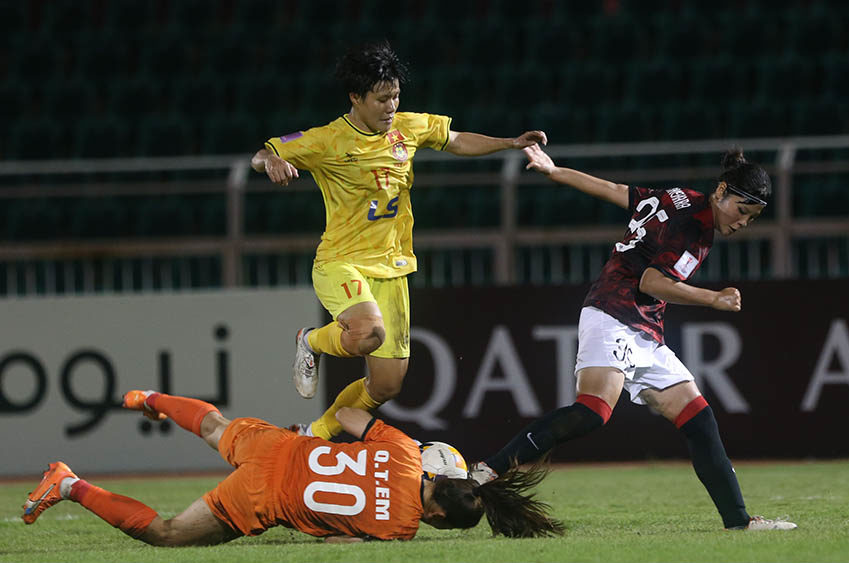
303	149
429	131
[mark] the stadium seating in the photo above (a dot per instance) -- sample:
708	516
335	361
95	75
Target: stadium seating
92	79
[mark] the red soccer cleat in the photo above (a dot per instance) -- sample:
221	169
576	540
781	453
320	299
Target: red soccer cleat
47	493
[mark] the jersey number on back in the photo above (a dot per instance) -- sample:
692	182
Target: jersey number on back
636	226
343	462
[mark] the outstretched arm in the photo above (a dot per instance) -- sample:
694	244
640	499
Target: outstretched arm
279	171
654	283
538	160
353	421
475	144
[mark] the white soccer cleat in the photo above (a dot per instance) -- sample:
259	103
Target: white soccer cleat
305	368
482	473
758	523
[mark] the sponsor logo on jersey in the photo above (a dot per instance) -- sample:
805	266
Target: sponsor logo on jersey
291	136
679	198
686	264
399	151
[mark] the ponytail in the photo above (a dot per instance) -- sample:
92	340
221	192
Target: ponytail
745	178
514	512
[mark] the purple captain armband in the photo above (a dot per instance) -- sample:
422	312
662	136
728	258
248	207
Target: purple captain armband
291	137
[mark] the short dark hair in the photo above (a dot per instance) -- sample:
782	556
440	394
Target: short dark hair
509	507
743	175
367	65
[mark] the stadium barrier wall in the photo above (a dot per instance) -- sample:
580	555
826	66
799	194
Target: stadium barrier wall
485	362
65	362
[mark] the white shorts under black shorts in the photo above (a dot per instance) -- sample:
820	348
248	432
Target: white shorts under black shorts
605	342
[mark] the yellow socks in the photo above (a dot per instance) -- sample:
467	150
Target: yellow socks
328	340
354	395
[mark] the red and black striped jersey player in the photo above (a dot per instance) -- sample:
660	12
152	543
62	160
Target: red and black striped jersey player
620	331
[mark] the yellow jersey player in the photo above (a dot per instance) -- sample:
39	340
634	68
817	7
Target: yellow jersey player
362	163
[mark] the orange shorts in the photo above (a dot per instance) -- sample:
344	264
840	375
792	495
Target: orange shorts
247	499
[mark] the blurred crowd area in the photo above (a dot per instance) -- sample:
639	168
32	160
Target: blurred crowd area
103	78
92	79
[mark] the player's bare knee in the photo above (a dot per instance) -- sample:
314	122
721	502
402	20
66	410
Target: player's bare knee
160	533
169	533
373	341
385	390
363	335
212	427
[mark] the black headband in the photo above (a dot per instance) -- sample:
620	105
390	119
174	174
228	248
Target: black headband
750	199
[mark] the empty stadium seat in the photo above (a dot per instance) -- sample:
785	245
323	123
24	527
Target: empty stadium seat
230	134
101	137
749	35
584	85
14	95
759	120
622	123
678	38
523	86
140	96
813	31
618	37
31	219
688	121
197	97
68	99
122	16
819	118
98	217
784	80
836	78
13	17
104	57
721	80
35	138
164	135
653	82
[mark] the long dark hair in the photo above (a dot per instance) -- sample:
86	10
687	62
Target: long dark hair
364	66
510	508
739	173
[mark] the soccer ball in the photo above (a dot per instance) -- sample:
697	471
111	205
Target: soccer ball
439	458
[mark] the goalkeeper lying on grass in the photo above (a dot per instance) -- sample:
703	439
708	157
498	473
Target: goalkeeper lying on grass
373	488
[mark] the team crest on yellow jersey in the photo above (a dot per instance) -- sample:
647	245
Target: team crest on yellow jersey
399	151
394	136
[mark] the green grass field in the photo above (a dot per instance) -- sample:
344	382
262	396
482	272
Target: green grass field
650	512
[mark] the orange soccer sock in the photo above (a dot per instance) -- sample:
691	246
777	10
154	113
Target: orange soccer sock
328	340
129	515
354	395
187	413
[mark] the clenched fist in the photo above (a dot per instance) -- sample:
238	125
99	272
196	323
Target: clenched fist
728	299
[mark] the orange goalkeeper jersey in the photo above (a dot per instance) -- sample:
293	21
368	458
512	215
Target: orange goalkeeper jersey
369	488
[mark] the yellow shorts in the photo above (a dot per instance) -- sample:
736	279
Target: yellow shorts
339	285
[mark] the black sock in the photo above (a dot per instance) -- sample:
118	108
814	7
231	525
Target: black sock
536	439
714	468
